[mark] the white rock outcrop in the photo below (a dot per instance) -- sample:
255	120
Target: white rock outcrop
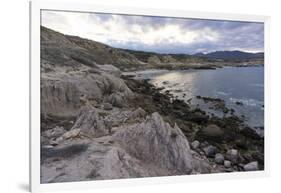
155	142
149	148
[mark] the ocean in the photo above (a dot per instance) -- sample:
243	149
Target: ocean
232	84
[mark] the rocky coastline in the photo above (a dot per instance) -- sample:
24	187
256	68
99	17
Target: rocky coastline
98	125
207	132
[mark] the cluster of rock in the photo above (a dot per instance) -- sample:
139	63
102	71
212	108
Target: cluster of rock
227	132
229	160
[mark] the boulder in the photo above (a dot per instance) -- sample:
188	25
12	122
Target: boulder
211	132
210	151
251	133
232	155
242	143
195	144
219	158
227	163
252	166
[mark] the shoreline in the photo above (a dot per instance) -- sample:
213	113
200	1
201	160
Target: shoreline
133	73
233	132
221	108
211	66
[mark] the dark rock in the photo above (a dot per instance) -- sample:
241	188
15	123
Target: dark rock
249	132
241	143
64	152
228	169
204	144
209	99
239	103
198	117
210	151
211	132
259	156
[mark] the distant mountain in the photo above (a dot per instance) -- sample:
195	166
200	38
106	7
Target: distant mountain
231	55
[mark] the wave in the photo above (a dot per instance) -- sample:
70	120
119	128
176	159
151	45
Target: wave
222	93
248	102
258	85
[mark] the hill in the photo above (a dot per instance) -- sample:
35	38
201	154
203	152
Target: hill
231	55
70	50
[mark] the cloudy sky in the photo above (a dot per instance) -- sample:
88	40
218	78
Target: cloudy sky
158	34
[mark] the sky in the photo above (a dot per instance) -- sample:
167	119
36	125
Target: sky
158	34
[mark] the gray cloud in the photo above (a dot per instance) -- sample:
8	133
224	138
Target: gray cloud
162	34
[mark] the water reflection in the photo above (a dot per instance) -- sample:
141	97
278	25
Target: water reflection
178	83
230	84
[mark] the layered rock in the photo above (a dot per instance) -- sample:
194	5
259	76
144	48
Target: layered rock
156	142
71	77
62	94
148	148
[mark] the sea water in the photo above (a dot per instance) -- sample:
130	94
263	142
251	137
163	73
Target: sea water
232	84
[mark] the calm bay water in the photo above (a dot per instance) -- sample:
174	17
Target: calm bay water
232	84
